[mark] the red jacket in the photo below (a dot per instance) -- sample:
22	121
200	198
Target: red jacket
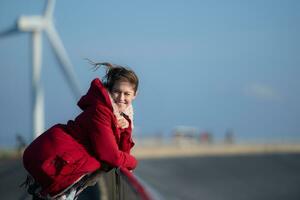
62	154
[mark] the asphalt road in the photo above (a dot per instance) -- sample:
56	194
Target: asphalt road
252	177
12	175
256	177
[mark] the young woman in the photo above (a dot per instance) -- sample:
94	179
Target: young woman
98	139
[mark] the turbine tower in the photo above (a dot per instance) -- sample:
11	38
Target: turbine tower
37	25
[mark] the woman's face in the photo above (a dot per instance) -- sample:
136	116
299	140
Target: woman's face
123	94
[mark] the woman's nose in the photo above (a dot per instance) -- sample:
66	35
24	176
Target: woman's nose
121	97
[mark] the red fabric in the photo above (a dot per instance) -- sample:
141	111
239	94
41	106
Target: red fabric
64	153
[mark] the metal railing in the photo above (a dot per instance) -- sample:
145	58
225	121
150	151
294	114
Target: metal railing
121	184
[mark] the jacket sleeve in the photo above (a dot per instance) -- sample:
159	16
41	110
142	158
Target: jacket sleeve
104	142
126	142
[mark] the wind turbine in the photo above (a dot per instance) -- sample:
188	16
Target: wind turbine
37	24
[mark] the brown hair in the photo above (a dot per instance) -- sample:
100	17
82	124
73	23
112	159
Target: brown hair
116	73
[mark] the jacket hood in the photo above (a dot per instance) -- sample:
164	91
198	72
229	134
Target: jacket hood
97	94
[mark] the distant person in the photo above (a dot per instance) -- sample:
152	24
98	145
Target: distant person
66	158
20	144
229	137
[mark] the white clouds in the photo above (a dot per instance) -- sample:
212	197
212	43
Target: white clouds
262	92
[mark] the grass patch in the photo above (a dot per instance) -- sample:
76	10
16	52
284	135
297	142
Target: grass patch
9	153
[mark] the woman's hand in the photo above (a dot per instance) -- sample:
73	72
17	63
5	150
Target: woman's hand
123	123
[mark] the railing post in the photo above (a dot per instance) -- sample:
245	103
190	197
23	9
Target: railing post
123	185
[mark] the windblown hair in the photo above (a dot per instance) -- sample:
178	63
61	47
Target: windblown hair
116	73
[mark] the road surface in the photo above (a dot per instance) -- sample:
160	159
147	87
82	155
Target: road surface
247	177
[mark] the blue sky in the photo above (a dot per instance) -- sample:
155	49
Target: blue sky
212	65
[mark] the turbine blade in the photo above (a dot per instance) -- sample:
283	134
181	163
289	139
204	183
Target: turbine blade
50	9
9	32
64	60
